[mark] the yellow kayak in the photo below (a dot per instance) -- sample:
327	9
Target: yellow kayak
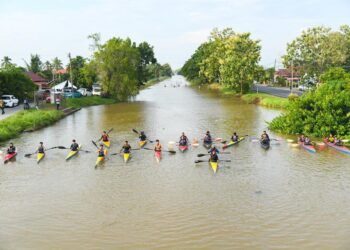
39	157
101	159
142	143
72	153
126	157
214	166
107	143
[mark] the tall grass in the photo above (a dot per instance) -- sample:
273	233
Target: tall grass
27	120
265	100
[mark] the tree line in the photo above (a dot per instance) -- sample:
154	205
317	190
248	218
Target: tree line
119	65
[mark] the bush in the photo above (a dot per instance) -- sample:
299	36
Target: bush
293	97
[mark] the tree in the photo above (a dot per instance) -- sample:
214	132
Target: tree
6	62
76	65
146	58
117	62
89	73
316	50
35	64
47	70
165	70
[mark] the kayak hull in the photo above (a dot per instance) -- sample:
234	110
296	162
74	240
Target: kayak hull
183	148
265	146
309	148
101	159
9	157
207	145
107	143
40	157
142	143
72	153
231	143
158	155
214	166
126	157
342	149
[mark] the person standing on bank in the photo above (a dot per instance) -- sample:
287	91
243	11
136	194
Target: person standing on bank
58	102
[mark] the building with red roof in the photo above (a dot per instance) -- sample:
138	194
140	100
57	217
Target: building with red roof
41	82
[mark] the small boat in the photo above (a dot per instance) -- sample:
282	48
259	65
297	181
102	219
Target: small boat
107	143
231	143
100	159
142	143
214	165
207	145
342	149
183	148
158	155
72	153
309	148
126	157
265	144
9	157
39	157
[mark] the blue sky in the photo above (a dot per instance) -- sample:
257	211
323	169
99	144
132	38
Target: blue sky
174	28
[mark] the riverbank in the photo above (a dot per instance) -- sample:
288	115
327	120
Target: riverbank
87	101
262	99
28	120
153	82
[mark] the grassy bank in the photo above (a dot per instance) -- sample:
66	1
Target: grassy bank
87	101
27	120
265	100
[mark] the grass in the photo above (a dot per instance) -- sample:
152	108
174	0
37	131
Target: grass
27	120
87	101
265	100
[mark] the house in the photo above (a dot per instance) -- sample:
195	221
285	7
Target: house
287	74
38	80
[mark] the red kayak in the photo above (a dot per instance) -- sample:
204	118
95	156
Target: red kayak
9	157
183	148
309	148
342	149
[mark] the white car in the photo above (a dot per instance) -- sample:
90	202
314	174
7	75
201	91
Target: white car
96	90
85	92
10	100
305	87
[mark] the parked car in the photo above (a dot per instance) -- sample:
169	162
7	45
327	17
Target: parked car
306	87
10	100
96	90
71	94
85	92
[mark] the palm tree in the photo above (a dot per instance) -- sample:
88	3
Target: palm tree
6	61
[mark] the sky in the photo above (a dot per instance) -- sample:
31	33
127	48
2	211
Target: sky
174	28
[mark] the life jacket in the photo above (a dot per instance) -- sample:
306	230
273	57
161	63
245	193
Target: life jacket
234	138
331	139
11	150
104	137
207	138
214	158
101	152
41	149
126	148
74	146
158	147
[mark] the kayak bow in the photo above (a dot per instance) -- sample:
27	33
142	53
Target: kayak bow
309	148
142	143
107	143
39	157
183	148
158	155
231	143
9	157
126	157
214	166
342	149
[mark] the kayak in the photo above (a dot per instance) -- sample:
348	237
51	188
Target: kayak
9	157
265	145
214	166
39	157
158	155
342	149
142	143
107	143
72	153
231	143
207	145
309	148
126	157
100	159
183	148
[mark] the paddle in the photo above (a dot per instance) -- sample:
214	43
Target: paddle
137	132
62	147
169	151
199	161
95	144
201	155
107	134
28	155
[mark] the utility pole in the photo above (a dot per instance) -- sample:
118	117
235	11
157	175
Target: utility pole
291	89
70	73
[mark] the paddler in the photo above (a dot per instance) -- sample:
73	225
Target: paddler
214	157
183	140
143	136
101	151
207	138
307	141
337	142
41	149
158	146
302	138
330	138
104	136
234	137
74	146
11	149
213	149
265	137
126	148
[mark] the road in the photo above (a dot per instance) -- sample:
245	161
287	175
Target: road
11	111
276	91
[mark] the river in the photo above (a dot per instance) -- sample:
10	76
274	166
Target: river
283	198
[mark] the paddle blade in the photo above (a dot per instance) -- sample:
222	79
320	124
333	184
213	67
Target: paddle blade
94	144
172	152
109	131
201	155
135	131
223	142
27	155
198	161
61	147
